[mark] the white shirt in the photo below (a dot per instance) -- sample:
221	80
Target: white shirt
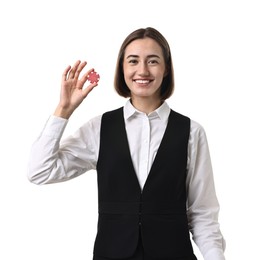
54	160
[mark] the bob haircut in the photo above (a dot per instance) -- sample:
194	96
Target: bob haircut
167	86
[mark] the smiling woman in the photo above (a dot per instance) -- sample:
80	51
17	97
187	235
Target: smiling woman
155	179
144	68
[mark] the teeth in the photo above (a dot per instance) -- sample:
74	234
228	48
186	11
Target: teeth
142	81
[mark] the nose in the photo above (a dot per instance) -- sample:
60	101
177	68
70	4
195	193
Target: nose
143	69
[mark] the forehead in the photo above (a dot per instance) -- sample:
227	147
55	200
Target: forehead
143	47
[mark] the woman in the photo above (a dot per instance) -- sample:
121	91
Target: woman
155	180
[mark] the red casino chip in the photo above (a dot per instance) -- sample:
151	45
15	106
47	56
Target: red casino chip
93	77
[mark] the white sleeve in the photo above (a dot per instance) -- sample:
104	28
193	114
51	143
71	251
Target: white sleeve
203	205
52	160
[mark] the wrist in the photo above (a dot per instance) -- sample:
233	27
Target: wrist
63	112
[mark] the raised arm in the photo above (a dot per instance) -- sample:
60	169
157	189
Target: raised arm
50	160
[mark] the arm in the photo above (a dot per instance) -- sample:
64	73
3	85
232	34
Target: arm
51	161
203	206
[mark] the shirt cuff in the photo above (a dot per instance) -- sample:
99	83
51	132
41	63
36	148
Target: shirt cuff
54	127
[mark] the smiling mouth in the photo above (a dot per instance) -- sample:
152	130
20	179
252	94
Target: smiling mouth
142	81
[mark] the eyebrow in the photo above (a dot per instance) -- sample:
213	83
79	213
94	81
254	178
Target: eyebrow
149	56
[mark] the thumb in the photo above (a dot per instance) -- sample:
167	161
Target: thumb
88	89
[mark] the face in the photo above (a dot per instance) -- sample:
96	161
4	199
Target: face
144	68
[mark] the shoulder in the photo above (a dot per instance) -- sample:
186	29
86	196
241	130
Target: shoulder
113	112
95	122
113	116
196	127
197	132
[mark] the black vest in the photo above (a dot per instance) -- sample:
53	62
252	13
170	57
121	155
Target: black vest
159	210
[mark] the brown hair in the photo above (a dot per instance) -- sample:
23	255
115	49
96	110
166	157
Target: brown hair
167	86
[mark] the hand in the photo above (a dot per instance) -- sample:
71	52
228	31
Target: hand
72	91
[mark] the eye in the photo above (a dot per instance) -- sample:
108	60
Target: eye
153	62
133	61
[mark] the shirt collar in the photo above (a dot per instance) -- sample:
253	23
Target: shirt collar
162	112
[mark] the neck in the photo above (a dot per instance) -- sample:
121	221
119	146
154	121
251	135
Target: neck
146	105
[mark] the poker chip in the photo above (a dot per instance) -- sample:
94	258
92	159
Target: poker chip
93	77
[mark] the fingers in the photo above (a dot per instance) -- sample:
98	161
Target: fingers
73	72
65	73
84	78
79	69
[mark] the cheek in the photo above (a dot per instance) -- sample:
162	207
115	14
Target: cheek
127	76
161	76
128	73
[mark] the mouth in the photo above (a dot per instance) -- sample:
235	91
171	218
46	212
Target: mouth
142	81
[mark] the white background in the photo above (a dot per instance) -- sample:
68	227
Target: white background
213	45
